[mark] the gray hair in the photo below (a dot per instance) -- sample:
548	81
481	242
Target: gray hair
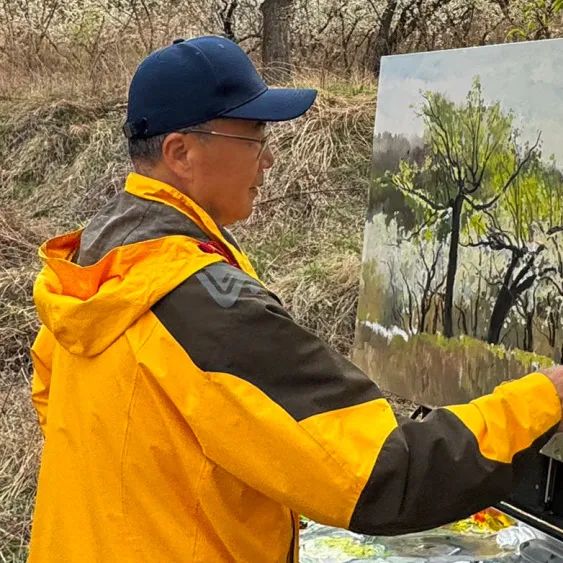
147	152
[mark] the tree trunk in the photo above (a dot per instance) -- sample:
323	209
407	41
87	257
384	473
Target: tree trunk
436	316
452	266
506	299
276	48
475	316
529	347
553	325
502	306
382	39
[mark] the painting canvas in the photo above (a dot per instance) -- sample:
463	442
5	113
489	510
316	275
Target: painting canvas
462	273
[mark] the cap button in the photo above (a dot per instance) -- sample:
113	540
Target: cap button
176	41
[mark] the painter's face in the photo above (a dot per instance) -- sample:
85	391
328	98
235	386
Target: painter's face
227	172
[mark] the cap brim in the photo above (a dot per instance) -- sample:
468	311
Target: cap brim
275	104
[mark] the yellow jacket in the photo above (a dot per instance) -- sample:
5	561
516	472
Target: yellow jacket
188	418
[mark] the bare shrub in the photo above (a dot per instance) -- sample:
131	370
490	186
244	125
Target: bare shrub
88	46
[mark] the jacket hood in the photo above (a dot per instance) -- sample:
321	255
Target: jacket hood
88	307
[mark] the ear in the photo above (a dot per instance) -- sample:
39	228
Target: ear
176	150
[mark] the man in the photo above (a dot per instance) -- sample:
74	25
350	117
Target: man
186	416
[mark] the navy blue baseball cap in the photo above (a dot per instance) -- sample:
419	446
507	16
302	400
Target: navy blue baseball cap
196	80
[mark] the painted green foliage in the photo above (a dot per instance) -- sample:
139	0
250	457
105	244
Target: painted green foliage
472	185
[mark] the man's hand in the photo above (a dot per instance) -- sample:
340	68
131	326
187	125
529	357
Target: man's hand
555	373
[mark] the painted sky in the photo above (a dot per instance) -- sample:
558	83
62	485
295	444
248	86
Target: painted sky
525	77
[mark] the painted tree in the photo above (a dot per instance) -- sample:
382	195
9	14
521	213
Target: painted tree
550	307
414	302
473	159
523	226
550	313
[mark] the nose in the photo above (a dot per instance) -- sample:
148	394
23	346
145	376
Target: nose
267	158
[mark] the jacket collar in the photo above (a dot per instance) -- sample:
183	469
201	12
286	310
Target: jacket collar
155	190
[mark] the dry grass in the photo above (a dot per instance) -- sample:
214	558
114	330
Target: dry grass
19	435
19	457
60	159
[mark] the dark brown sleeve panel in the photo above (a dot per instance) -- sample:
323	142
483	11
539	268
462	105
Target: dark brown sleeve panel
227	322
428	474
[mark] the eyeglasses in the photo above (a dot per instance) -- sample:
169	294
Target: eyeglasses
263	141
